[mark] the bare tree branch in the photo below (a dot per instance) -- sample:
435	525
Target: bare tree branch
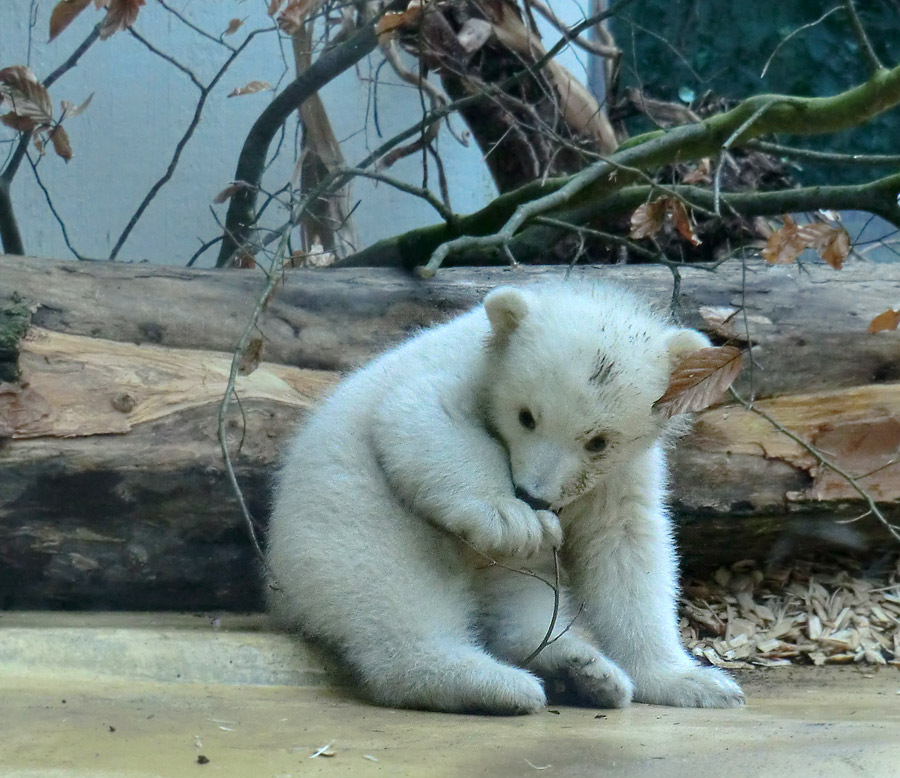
199	30
52	207
251	162
601	50
425	194
240	213
328	222
188	133
10	236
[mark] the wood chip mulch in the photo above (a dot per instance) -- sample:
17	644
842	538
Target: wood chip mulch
817	613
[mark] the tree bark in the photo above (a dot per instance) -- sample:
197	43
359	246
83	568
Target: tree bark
10	237
112	487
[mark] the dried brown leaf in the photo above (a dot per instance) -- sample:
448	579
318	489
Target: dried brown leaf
681	220
700	380
230	191
831	241
274	5
785	244
70	109
120	15
60	139
251	356
251	88
233	26
888	320
245	260
700	174
647	219
64	13
394	19
291	19
27	97
296	259
18	123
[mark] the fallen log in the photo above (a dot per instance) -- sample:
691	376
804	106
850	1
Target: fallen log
112	487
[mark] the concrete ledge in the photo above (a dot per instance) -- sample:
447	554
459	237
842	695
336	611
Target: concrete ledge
159	647
87	695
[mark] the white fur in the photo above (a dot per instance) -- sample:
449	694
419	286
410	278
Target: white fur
400	489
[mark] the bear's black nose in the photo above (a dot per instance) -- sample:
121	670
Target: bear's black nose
535	502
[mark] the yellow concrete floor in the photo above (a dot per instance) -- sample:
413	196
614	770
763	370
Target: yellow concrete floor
140	696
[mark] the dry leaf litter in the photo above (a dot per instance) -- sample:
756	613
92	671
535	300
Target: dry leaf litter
824	612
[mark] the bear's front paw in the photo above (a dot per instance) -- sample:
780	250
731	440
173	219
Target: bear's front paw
594	680
515	529
695	687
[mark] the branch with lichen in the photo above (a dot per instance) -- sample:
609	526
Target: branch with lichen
482	241
754	117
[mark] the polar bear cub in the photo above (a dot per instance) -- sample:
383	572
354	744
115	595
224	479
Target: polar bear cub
410	503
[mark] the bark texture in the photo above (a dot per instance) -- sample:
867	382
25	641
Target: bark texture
112	488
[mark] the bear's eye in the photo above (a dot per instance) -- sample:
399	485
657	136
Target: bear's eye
596	444
526	419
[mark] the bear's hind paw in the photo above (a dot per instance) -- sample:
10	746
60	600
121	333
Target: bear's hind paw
695	687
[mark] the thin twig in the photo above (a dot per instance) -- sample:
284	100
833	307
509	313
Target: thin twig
607	52
552	625
676	52
829	157
59	220
743	309
199	30
885	466
272	277
658	256
32	23
655	185
605	236
790	35
167	57
744	127
862	38
203	247
425	194
188	133
555	586
443	186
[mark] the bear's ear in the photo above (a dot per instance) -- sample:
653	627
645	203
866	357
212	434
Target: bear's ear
684	342
506	307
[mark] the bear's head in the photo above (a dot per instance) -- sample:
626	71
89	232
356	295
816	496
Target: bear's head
573	371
